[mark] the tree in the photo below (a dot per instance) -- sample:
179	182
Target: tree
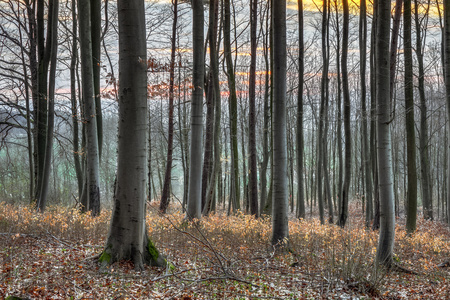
92	185
280	229
232	104
167	177
127	238
214	92
446	43
195	170
364	114
300	142
423	137
411	201
53	23
385	176
347	131
253	175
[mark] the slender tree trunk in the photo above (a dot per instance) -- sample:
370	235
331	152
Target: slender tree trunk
43	60
411	196
232	102
267	115
73	99
394	46
127	238
339	110
195	169
253	173
385	175
373	118
347	131
92	158
215	90
427	199
165	196
96	29
280	229
447	89
53	36
364	114
300	143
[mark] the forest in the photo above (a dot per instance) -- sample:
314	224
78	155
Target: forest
224	149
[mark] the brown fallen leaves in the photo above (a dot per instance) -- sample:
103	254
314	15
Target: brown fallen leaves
51	256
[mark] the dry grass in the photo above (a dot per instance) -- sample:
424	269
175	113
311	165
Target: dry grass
48	256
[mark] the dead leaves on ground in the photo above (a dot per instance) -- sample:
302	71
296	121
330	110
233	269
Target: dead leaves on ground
52	256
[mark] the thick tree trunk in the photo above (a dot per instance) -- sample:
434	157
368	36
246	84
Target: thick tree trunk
280	230
127	238
195	169
385	175
411	196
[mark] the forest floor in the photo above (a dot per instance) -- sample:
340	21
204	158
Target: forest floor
53	256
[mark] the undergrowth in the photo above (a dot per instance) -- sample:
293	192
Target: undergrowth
218	257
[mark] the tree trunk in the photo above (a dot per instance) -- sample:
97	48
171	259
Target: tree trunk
252	167
165	196
385	175
300	142
73	99
364	114
195	169
427	199
447	89
215	91
232	105
127	238
87	75
96	29
347	131
53	36
411	196
280	229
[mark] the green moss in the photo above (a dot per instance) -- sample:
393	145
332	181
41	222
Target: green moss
105	258
171	266
154	253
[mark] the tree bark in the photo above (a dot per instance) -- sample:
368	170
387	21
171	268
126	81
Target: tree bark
252	168
427	199
232	105
165	196
195	169
347	131
385	175
411	196
127	238
87	75
300	143
53	23
280	229
447	89
364	114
